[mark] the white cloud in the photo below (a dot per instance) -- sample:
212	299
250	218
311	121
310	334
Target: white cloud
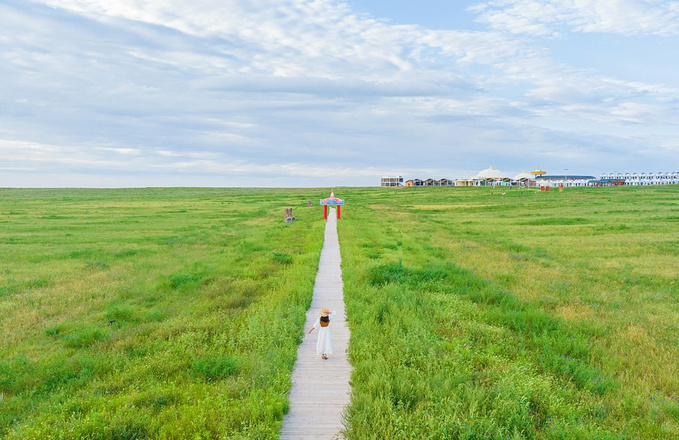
551	17
286	87
123	151
168	153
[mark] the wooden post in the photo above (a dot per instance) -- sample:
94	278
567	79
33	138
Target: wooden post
325	212
338	212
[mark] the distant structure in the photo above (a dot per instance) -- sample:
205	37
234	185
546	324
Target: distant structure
331	201
488	177
607	182
493	177
392	181
565	181
430	182
525	179
638	179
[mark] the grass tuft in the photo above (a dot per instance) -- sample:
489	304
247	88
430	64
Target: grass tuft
215	367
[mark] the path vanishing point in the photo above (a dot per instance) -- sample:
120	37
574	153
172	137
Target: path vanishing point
320	388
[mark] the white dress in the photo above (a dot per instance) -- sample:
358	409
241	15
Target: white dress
324	343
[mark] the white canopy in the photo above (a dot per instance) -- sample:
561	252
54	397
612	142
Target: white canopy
524	176
490	173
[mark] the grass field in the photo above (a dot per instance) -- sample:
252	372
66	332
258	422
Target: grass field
164	313
527	315
176	313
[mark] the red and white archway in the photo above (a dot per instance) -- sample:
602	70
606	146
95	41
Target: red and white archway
331	201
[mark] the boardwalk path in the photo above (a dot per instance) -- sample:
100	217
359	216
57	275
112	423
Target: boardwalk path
320	388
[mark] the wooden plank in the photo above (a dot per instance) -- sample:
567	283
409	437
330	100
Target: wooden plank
320	388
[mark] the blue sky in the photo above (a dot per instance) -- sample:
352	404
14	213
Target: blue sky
326	93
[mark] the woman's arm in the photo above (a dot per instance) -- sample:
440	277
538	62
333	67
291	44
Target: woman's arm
316	324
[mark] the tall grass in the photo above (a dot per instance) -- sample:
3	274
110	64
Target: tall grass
151	313
176	313
526	315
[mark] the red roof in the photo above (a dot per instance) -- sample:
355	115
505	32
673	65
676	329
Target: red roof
332	200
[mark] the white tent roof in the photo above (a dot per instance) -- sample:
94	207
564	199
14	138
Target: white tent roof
523	176
490	173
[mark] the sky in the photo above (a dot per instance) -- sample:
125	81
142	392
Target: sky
318	93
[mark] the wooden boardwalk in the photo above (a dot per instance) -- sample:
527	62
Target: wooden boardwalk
320	388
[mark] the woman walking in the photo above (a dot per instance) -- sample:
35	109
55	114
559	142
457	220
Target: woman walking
324	343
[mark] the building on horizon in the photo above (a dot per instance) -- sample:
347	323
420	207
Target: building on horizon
488	177
526	179
607	182
494	177
429	182
391	181
566	180
643	179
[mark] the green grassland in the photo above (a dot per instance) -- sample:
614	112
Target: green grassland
482	315
163	313
176	313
